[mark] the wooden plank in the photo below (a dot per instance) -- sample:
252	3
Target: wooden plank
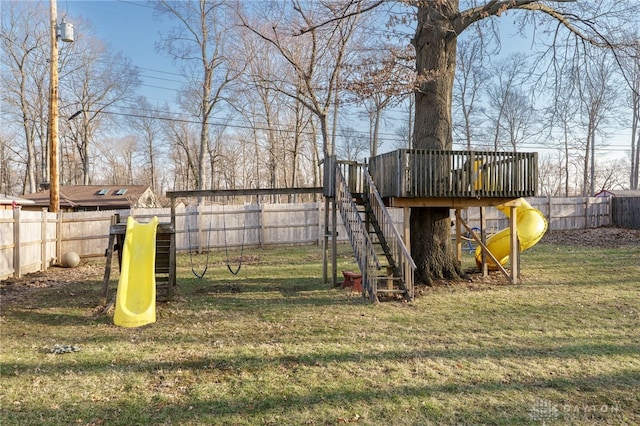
241	192
453	203
43	240
513	245
17	246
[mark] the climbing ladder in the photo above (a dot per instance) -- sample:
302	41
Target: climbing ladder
385	263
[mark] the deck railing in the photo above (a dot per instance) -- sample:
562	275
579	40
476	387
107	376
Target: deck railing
459	174
358	236
398	250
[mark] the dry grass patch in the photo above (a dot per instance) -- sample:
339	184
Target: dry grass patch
273	345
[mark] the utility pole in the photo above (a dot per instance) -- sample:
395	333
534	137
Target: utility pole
54	182
66	36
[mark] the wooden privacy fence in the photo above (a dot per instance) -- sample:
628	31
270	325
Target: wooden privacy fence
625	212
43	237
562	214
197	229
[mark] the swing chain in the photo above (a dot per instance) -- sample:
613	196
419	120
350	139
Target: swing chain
206	266
226	246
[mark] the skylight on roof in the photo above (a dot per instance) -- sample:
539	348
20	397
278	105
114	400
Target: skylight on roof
103	191
121	191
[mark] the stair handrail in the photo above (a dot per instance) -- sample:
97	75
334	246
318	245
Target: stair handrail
363	246
390	232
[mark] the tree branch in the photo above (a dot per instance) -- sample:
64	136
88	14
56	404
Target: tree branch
340	17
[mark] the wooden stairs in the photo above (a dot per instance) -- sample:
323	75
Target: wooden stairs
385	263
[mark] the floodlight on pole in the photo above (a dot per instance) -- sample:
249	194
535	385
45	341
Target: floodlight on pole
65	33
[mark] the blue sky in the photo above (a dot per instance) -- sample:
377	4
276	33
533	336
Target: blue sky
130	26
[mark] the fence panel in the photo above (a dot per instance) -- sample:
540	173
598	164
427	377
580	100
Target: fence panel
561	213
86	233
6	243
625	212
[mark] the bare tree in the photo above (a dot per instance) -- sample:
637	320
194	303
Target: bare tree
116	164
25	36
314	53
148	129
631	68
548	171
506	101
93	79
380	80
9	181
470	79
352	145
562	125
198	44
598	101
184	148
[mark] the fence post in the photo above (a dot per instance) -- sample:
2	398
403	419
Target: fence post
17	269
261	235
550	203
586	212
320	228
58	238
43	239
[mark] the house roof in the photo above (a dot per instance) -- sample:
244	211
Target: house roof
102	196
618	193
8	199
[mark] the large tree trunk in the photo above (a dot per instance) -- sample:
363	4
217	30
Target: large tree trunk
435	43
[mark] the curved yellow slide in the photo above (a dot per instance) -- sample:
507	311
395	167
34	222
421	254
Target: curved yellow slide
136	296
531	226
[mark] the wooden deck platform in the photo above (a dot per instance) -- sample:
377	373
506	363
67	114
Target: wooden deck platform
455	179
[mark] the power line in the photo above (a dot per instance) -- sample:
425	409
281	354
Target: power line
609	148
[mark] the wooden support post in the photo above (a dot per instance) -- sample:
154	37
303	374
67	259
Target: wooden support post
325	243
172	252
107	268
406	220
199	225
514	246
483	238
334	243
458	236
408	272
389	277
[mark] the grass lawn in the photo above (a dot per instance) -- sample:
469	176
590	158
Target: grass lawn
273	345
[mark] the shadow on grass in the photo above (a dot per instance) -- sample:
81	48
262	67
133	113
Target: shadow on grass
50	318
256	363
225	408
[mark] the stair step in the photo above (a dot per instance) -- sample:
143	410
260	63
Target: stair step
386	277
394	291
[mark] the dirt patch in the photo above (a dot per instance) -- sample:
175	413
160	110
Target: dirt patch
16	289
598	237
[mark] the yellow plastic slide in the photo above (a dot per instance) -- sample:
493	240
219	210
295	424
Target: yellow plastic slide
531	226
136	297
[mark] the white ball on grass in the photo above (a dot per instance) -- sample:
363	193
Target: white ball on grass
70	259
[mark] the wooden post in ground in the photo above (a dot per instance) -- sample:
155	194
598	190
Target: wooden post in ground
514	256
458	236
483	237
